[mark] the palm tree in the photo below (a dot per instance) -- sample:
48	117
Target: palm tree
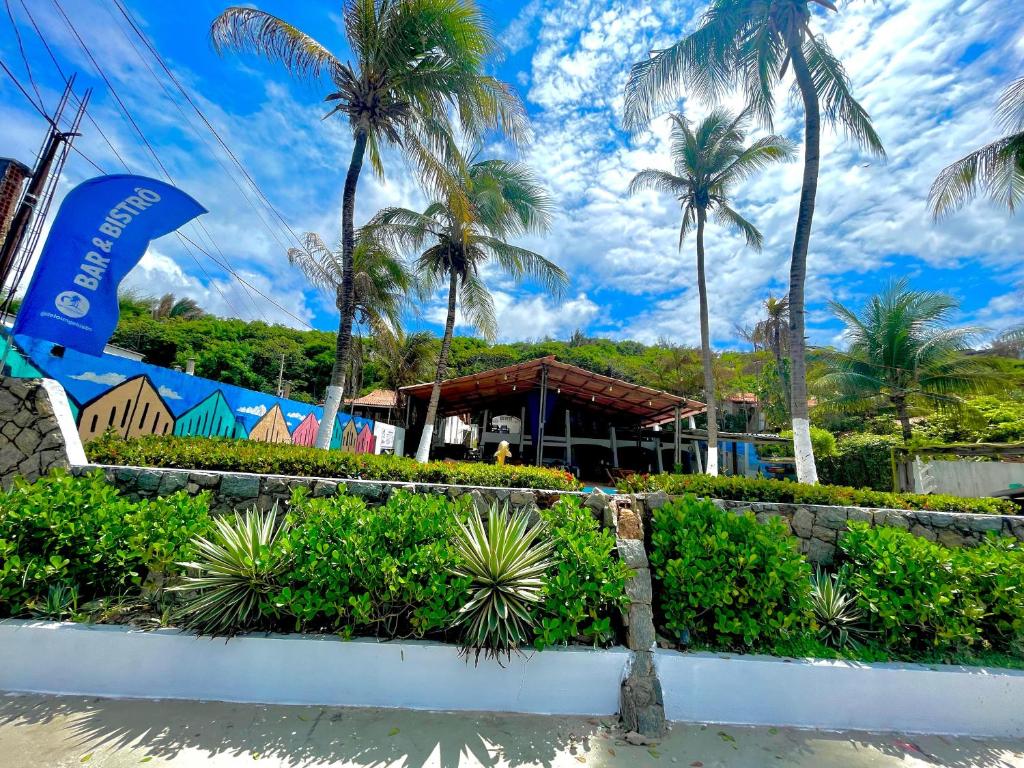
902	355
997	169
752	43
404	359
169	307
709	161
415	62
772	333
380	282
505	200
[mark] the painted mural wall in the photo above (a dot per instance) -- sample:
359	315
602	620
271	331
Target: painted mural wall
134	399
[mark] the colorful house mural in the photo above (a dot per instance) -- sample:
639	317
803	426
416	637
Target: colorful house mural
271	428
305	433
211	417
349	435
132	408
134	398
364	440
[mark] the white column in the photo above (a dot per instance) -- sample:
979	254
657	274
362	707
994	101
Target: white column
615	446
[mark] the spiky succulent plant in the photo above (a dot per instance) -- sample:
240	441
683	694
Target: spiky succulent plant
835	610
505	560
235	571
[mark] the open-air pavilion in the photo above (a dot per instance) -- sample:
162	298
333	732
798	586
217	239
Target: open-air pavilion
553	413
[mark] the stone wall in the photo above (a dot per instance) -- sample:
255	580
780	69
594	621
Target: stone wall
240	490
31	441
818	528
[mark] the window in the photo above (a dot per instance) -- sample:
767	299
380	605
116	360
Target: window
145	413
113	416
127	409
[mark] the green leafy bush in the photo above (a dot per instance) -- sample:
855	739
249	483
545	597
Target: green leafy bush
724	579
586	585
822	441
739	488
80	532
860	461
922	597
385	571
285	459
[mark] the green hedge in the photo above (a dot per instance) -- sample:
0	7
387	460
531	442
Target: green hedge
724	580
860	461
82	535
788	492
920	597
285	459
352	569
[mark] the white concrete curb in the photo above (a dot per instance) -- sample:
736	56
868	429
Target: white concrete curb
95	660
836	695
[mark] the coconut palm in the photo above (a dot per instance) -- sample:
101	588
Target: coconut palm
709	161
169	307
902	355
404	359
753	44
380	282
771	331
415	63
505	200
997	169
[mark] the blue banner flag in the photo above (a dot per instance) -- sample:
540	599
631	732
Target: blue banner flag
101	231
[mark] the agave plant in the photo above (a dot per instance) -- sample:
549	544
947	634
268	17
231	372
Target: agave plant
505	563
236	571
835	611
60	603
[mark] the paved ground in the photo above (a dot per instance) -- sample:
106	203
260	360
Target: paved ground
54	732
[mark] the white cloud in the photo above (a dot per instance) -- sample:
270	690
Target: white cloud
253	410
169	393
110	379
294	415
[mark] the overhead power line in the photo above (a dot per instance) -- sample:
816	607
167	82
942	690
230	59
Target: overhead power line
138	130
202	116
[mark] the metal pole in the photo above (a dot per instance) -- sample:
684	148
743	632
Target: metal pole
677	444
696	448
28	203
542	414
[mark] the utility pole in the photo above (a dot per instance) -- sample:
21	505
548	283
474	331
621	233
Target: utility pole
37	195
280	378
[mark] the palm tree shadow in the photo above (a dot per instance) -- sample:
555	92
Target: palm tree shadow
301	735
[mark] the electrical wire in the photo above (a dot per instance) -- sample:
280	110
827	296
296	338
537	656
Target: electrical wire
64	77
24	58
202	116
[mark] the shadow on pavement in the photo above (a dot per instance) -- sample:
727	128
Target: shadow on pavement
310	736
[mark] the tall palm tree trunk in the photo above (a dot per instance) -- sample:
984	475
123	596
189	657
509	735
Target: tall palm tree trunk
900	403
705	348
780	371
423	451
343	346
806	471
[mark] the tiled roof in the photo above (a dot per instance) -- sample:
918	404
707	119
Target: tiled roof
379	398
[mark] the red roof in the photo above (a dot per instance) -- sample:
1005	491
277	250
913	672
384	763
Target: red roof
579	385
379	398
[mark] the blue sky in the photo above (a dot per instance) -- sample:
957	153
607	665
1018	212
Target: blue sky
929	72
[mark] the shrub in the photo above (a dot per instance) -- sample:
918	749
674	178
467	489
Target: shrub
587	583
822	441
284	459
724	579
385	570
81	533
505	562
237	569
739	488
924	598
860	461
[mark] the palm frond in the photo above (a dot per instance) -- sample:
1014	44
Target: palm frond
246	29
836	98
